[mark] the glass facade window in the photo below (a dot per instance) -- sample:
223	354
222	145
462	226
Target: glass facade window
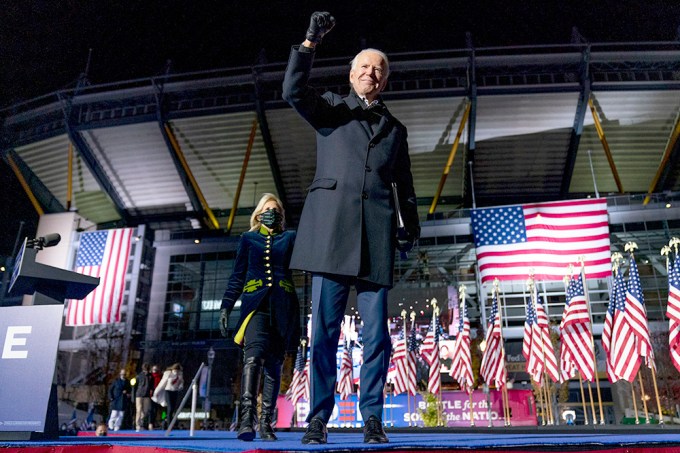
195	287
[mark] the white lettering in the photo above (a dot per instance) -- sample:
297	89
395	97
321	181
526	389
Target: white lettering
12	340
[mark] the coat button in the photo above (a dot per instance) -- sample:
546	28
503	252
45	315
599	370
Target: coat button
364	195
367	168
371	145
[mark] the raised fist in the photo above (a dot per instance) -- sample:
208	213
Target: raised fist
319	24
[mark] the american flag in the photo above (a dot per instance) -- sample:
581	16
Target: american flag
345	384
617	287
430	353
299	384
637	314
541	354
673	311
461	366
567	367
102	254
411	359
400	363
529	323
623	355
548	349
543	238
577	349
493	369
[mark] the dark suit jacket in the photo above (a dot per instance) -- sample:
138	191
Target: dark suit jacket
261	271
348	222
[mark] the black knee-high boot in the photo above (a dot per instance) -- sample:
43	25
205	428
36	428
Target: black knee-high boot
250	383
270	392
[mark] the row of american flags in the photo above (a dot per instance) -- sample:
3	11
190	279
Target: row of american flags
625	340
405	354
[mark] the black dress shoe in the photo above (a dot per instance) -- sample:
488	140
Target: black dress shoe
374	432
316	432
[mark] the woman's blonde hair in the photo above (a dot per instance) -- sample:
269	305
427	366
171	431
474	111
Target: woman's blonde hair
255	223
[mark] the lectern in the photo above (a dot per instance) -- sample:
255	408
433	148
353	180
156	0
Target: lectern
47	284
29	339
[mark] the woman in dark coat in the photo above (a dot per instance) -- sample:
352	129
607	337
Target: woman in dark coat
269	323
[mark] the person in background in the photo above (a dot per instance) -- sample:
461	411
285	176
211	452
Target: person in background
119	396
167	391
269	323
156	408
143	397
101	430
360	206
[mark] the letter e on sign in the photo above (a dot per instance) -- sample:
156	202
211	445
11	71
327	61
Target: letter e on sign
11	339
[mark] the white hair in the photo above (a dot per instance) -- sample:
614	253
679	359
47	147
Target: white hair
382	55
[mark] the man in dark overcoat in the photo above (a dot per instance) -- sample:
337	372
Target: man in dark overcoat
348	229
119	396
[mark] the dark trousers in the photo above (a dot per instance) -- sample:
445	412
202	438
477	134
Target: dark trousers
262	340
173	404
329	300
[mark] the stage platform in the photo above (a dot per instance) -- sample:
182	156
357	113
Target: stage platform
610	439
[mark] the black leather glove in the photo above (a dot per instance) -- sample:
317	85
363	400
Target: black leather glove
319	24
224	322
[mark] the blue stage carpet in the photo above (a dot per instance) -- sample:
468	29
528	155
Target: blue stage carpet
663	439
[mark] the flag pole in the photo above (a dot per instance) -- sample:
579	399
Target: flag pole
592	342
435	315
548	399
440	421
632	392
583	400
643	396
461	311
408	355
592	402
504	389
656	392
408	400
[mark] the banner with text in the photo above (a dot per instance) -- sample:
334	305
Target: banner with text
29	337
400	412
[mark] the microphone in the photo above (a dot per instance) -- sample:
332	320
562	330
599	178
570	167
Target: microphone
49	240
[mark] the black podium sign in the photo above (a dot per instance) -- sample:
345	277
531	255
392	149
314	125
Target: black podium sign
29	337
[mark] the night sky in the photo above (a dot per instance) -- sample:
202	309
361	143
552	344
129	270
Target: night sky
44	45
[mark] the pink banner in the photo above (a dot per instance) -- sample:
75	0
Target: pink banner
402	412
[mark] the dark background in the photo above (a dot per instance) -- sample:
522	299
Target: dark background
44	45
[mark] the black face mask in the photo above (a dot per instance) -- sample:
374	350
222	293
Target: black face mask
271	218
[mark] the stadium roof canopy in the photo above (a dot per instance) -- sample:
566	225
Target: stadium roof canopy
535	124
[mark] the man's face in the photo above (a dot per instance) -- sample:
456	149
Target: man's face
101	430
154	369
369	77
